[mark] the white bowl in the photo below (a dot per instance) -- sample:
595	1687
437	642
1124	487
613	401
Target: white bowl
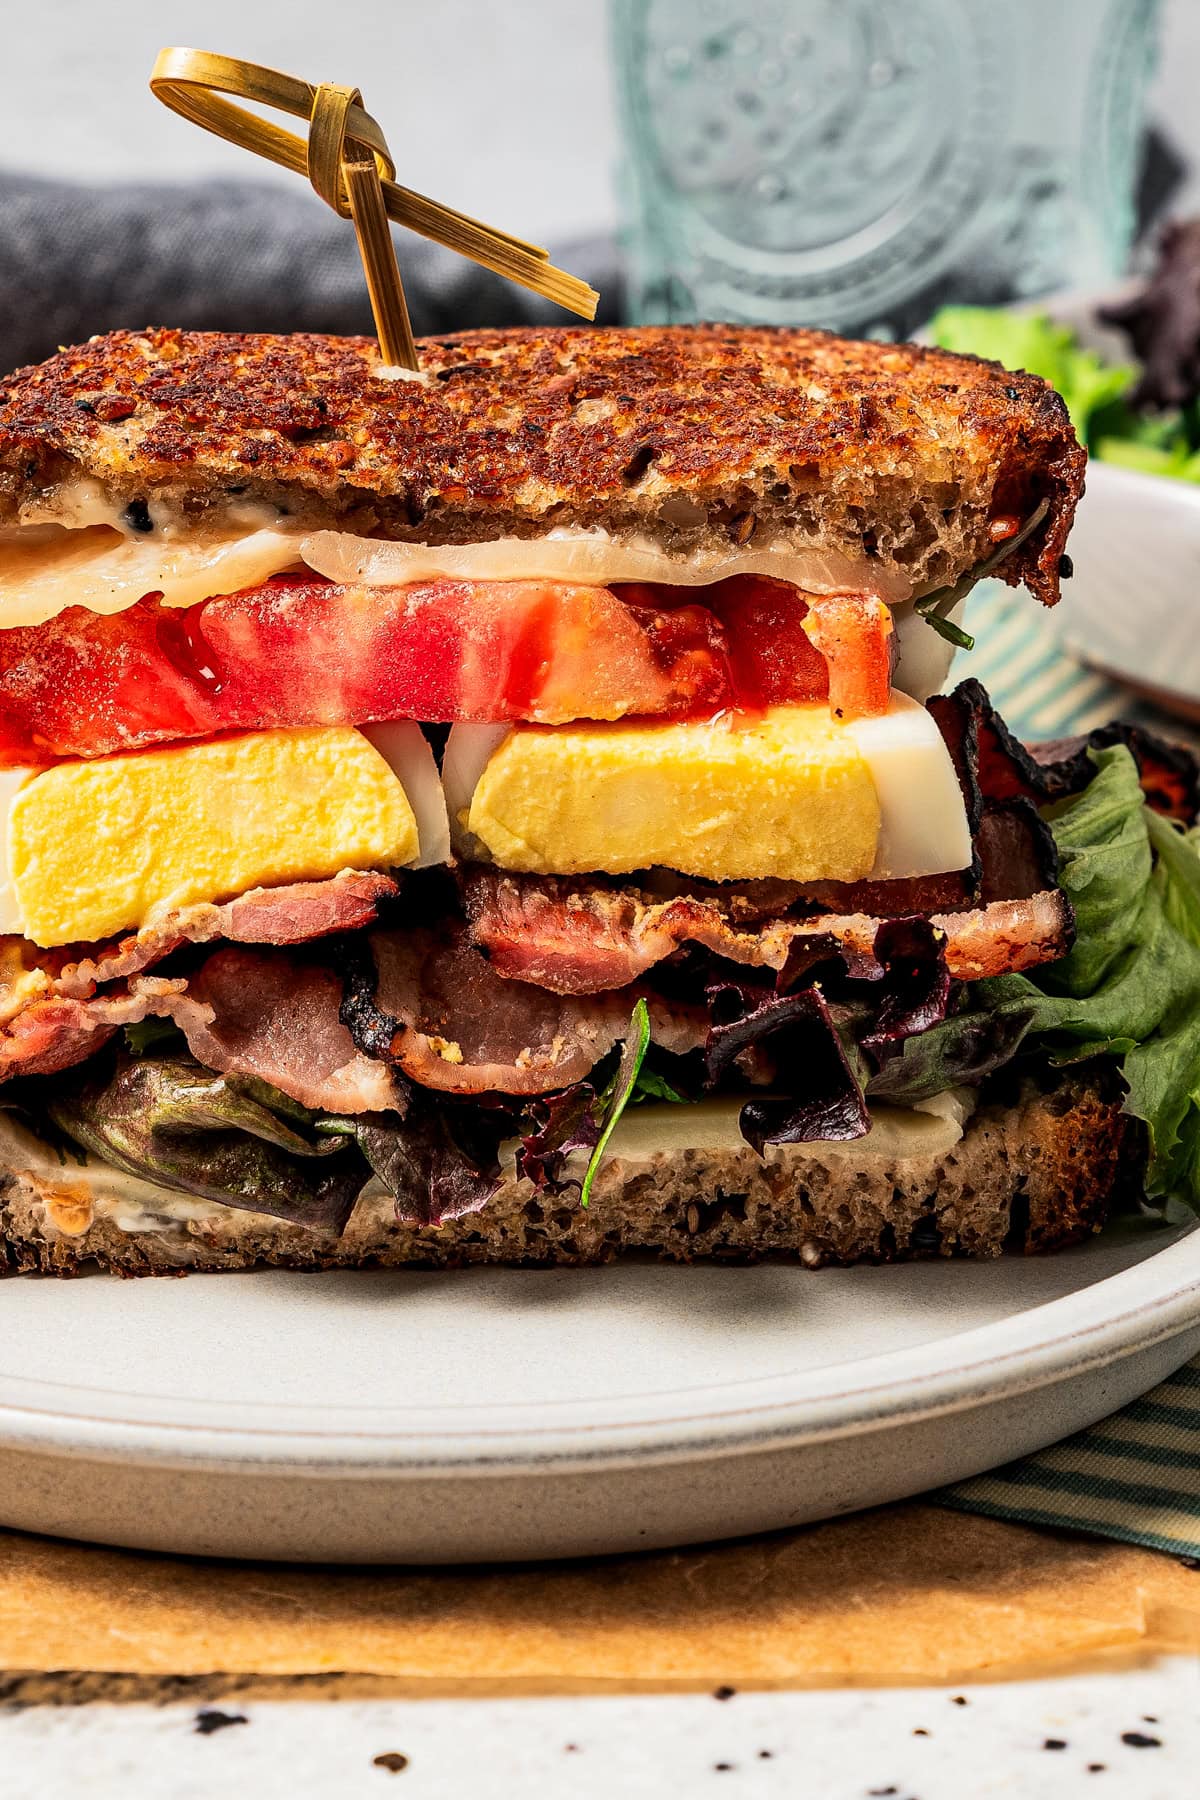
1132	608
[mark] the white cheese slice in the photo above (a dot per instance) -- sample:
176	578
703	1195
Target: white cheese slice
46	568
594	557
651	1133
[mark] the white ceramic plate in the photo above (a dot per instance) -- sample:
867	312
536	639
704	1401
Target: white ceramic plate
508	1413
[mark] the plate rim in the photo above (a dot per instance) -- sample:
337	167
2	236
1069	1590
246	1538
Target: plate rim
1094	1326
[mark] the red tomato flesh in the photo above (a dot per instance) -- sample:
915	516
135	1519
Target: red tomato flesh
301	651
853	634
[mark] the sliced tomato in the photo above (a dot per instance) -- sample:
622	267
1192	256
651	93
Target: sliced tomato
786	646
299	651
853	632
303	651
773	660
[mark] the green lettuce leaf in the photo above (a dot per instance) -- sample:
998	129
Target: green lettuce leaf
239	1141
620	1090
1130	987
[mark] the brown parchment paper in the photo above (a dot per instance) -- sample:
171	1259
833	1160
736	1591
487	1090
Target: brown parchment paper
908	1593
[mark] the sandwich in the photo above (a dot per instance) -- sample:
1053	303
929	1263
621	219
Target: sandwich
519	813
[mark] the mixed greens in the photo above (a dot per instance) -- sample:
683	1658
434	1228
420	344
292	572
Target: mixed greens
1129	989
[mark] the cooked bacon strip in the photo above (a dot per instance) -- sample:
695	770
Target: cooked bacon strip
263	1013
432	1004
574	938
295	914
56	1032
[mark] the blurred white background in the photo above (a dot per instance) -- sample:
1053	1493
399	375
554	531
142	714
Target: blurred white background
502	107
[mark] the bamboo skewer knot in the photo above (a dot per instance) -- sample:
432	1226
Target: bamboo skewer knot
347	161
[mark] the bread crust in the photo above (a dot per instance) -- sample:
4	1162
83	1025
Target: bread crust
1036	1174
697	433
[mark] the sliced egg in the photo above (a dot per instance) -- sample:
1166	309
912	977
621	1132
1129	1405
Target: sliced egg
791	794
923	826
97	848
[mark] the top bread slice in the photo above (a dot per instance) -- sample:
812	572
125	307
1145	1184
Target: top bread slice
697	436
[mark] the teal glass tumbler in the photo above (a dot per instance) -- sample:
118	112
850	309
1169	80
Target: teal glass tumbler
857	163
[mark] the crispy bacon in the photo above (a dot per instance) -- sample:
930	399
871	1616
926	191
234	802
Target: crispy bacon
57	1031
268	1014
296	914
432	1005
576	937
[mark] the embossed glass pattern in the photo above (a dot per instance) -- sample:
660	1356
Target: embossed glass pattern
856	163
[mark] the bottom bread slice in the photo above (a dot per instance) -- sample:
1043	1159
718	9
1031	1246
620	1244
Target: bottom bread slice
1035	1172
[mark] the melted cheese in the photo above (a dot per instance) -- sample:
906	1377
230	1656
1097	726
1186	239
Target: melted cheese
45	569
594	557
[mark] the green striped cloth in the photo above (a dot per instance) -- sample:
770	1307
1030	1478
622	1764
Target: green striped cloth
1135	1476
1038	689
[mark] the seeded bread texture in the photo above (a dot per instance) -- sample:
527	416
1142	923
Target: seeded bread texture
698	435
1035	1175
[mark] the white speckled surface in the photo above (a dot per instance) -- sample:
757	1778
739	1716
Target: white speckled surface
972	1743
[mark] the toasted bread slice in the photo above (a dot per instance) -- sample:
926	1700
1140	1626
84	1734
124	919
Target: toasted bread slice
1034	1173
698	436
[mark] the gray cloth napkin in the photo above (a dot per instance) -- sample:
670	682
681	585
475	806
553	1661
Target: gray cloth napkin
231	256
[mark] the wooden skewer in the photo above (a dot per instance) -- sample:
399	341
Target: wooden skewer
346	158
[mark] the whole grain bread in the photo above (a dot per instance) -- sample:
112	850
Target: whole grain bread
695	435
1032	1174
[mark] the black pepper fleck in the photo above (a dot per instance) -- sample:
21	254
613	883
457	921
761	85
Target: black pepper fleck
765	1755
1054	1744
1149	1719
920	1731
209	1719
137	516
1140	1740
1066	568
722	1768
959	1700
1096	1768
391	1760
882	1793
724	1693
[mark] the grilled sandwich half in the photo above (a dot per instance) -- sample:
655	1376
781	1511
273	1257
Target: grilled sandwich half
511	813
